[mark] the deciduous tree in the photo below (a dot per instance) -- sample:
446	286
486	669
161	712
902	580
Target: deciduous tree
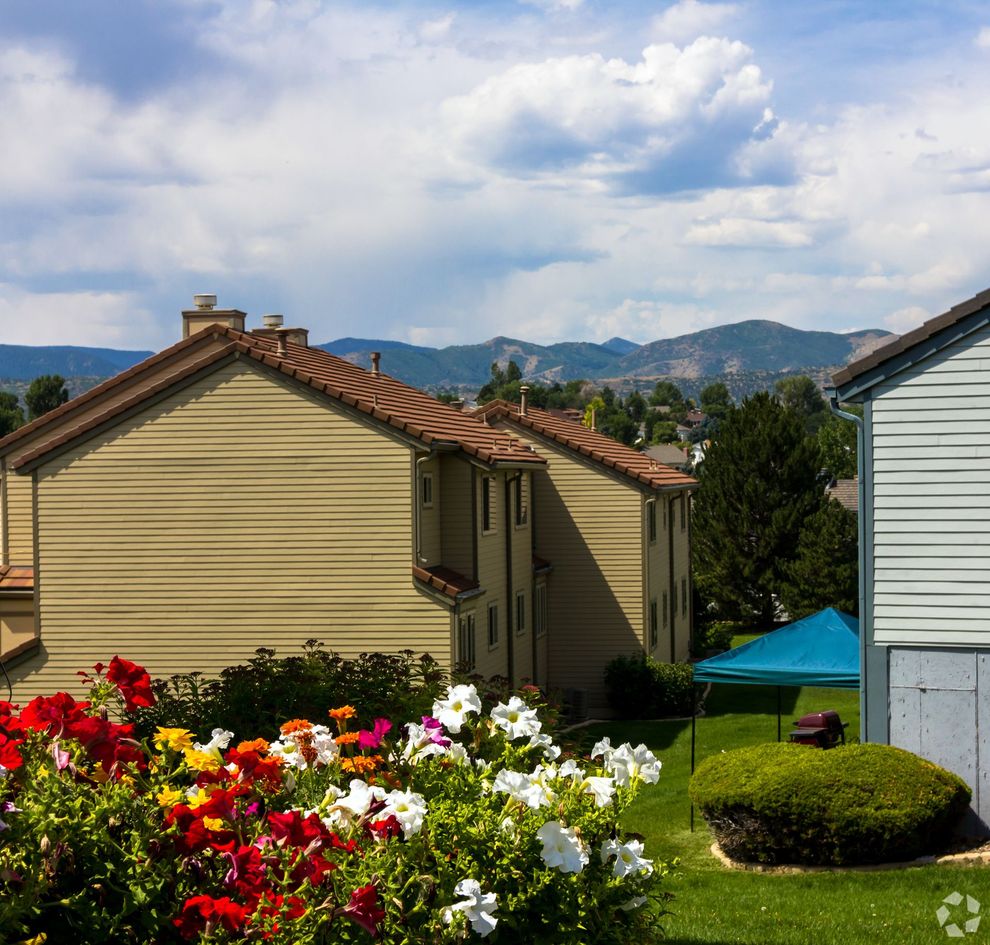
11	413
45	394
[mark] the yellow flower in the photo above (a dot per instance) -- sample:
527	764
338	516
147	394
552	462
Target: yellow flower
178	739
169	797
198	799
213	823
42	772
201	760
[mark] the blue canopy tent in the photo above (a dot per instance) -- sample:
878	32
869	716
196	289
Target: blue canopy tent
820	650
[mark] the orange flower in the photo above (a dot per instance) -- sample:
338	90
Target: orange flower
360	764
347	738
344	712
259	744
296	725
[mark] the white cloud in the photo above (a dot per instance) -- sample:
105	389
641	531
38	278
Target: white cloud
684	21
554	5
733	231
904	319
983	38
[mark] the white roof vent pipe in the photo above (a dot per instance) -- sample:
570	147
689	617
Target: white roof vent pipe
272	320
205	301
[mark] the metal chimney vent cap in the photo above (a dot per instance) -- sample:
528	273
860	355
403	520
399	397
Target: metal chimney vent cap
205	301
272	320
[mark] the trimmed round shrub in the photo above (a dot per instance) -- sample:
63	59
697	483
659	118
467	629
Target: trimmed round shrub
784	803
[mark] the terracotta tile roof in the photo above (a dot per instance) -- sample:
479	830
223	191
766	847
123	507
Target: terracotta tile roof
385	399
903	343
15	577
610	453
445	580
846	493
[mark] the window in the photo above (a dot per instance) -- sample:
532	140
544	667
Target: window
653	624
492	626
520	612
684	596
427	490
488	504
665	609
465	642
651	520
521	496
541	612
683	511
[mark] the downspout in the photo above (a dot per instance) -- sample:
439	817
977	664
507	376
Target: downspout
531	495
510	601
833	404
648	639
673	579
418	508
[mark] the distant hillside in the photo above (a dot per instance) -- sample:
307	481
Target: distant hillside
747	355
25	362
750	348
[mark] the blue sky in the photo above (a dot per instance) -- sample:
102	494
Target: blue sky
443	173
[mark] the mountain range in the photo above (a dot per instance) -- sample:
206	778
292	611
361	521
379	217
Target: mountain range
752	348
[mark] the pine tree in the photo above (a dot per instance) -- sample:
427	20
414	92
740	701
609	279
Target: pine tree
11	414
825	572
757	489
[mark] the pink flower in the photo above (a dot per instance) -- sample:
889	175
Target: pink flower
374	738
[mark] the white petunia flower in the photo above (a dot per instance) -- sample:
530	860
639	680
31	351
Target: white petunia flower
409	810
477	907
628	857
562	847
601	789
451	712
603	750
219	741
570	769
629	765
318	737
421	742
550	751
516	719
354	805
633	903
520	787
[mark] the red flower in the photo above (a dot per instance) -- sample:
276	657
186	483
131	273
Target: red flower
103	741
132	681
363	909
10	757
246	873
49	714
387	828
255	768
313	867
296	830
203	914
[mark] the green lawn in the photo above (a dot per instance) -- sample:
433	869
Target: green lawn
728	907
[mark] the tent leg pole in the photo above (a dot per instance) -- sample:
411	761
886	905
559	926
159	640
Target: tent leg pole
694	718
778	713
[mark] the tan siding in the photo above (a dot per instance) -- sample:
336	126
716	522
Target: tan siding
431	548
491	575
931	514
16	622
20	519
235	514
589	526
455	514
522	582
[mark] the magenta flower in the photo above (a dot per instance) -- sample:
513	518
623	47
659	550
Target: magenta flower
374	738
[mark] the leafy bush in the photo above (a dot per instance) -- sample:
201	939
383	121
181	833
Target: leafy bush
716	635
463	824
639	687
785	803
252	700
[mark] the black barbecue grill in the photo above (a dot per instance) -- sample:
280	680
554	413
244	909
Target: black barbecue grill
820	730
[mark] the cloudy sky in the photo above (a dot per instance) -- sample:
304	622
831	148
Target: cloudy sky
443	173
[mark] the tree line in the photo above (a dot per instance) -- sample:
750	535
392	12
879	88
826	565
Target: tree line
44	393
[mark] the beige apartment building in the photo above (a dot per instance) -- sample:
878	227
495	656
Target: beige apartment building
241	489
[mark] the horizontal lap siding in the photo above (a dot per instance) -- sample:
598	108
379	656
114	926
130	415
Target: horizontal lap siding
19	520
238	513
589	526
931	471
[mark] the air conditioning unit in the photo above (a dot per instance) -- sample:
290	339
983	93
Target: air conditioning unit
576	705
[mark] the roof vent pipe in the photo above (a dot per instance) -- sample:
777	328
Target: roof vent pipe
282	342
376	358
272	320
205	302
594	418
523	400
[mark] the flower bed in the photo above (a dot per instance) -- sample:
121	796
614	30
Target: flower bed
462	825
